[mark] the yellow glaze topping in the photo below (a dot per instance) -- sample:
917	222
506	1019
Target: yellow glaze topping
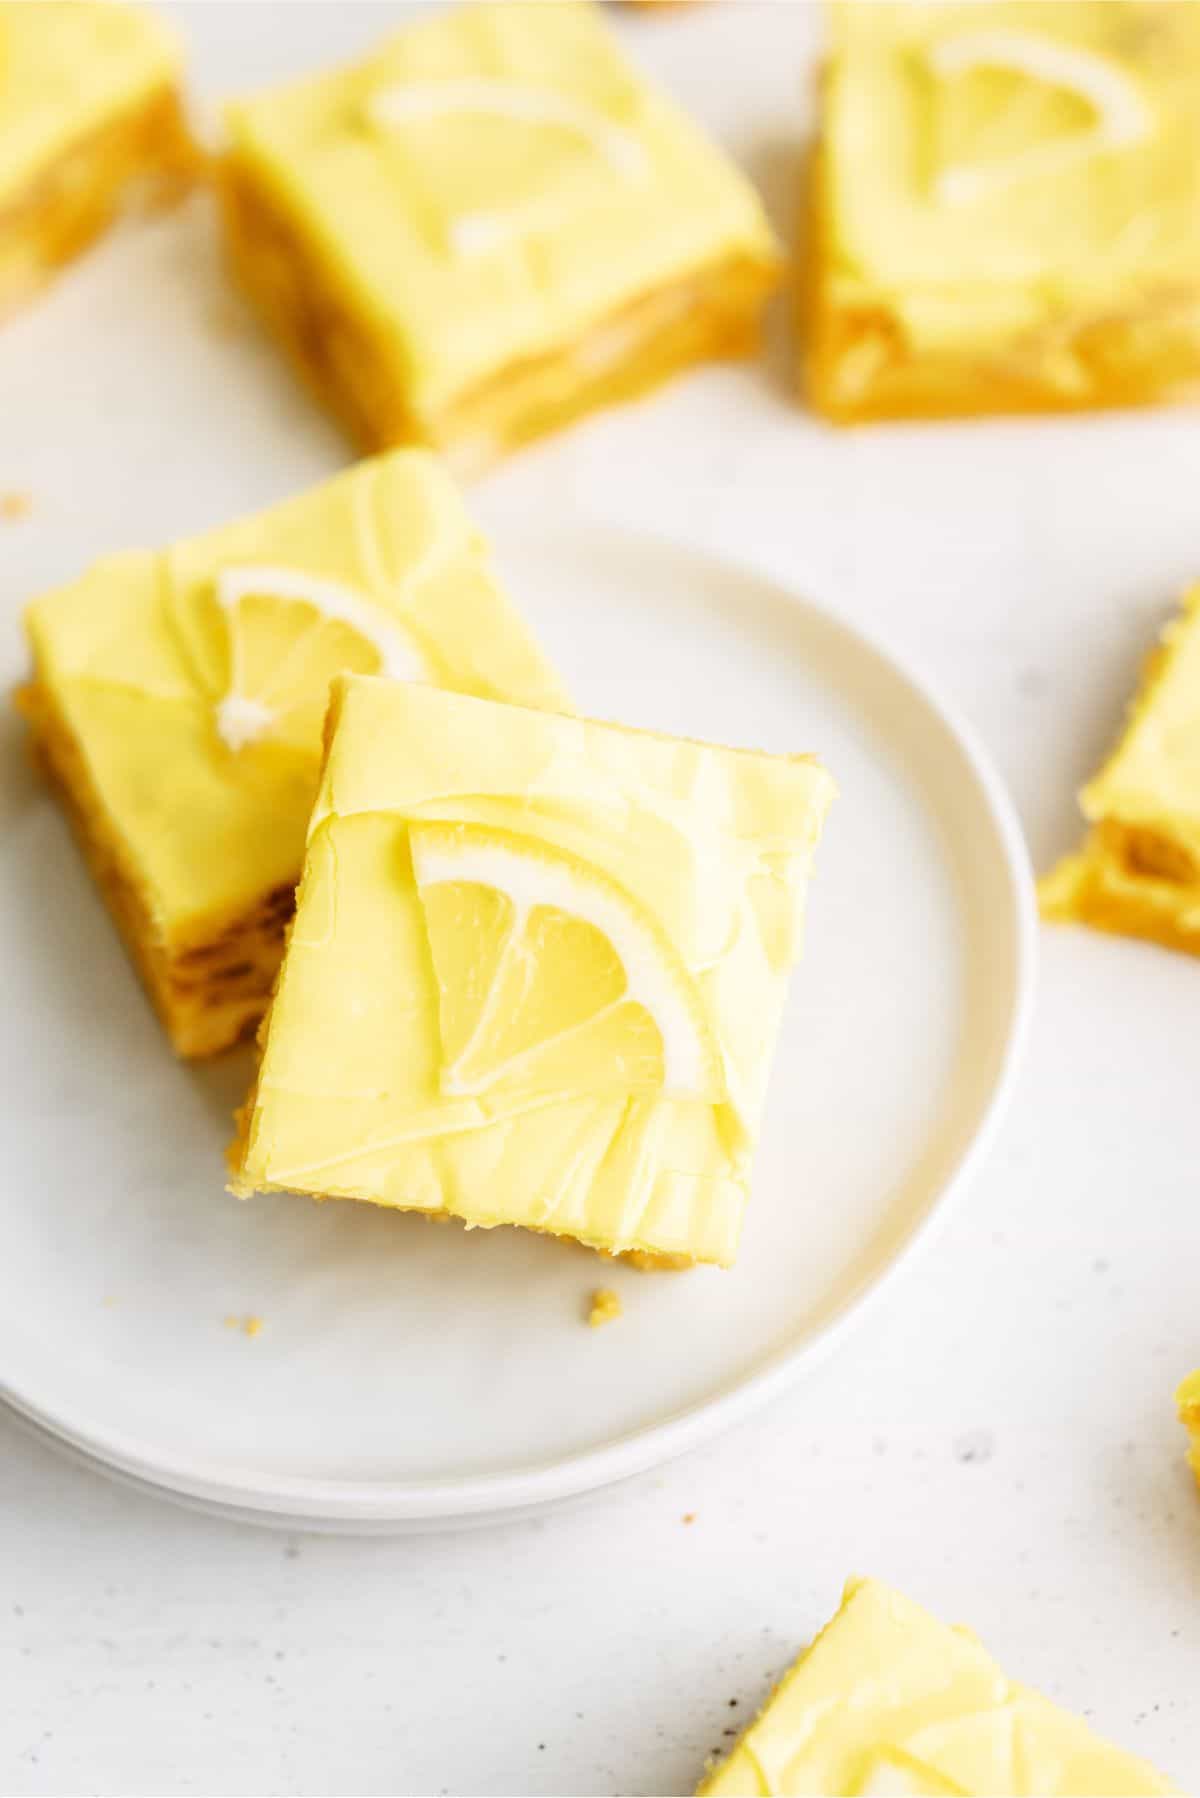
495	182
195	680
1188	1401
536	971
888	1699
994	168
66	68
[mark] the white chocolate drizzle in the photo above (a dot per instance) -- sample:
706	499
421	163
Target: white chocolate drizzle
479	233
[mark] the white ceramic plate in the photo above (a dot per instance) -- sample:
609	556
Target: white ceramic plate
406	1375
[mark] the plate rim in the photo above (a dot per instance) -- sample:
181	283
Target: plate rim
360	1506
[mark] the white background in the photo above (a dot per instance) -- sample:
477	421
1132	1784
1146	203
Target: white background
998	1435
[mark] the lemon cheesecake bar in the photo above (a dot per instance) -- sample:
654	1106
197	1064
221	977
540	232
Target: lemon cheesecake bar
487	227
1005	208
1138	872
89	111
887	1699
177	699
1188	1401
536	972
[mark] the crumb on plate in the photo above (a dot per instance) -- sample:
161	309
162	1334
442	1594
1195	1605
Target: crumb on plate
249	1325
605	1307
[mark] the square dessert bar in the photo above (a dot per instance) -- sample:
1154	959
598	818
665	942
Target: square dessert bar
1188	1401
89	109
1006	208
1139	870
536	973
177	699
887	1699
490	225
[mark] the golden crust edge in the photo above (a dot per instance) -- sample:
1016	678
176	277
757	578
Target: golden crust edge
196	1030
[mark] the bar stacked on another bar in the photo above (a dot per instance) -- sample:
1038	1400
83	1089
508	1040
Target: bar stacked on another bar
536	973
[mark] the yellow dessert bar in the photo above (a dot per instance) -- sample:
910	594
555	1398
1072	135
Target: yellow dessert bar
487	227
1188	1401
536	972
887	1699
89	109
1139	870
177	699
1005	208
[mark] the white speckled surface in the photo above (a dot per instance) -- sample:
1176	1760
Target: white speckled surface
998	1438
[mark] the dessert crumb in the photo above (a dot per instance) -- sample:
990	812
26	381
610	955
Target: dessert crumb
15	505
605	1305
688	1517
249	1326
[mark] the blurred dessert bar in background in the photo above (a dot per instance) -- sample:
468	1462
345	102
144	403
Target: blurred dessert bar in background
90	120
491	225
1005	208
1188	1401
1138	872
